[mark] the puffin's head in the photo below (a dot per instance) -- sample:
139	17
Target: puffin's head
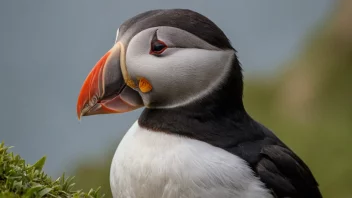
161	59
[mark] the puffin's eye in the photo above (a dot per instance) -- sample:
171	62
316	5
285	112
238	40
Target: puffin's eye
157	47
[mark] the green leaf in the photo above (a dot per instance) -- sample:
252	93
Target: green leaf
32	190
39	164
44	192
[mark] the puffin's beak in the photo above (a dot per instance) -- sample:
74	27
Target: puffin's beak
105	91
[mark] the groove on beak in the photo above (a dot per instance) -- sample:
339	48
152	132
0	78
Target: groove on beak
104	91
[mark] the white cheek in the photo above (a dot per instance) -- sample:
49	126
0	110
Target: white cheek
181	76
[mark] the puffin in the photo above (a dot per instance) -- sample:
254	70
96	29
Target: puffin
194	137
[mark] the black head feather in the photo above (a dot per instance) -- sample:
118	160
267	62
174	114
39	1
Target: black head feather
188	20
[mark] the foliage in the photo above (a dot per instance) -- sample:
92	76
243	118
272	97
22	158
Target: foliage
18	179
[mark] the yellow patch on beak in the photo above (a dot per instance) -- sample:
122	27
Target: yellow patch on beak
125	74
144	85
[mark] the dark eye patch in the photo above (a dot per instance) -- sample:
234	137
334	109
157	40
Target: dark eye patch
157	46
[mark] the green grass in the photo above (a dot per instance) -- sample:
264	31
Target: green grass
18	179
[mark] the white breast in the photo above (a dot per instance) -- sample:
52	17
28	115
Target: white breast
151	164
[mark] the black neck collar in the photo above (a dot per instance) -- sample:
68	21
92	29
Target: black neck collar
219	119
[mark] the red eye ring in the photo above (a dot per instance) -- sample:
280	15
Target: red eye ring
157	47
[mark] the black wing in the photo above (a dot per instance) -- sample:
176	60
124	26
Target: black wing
282	171
285	174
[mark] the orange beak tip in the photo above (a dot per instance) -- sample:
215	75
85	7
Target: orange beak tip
78	112
90	85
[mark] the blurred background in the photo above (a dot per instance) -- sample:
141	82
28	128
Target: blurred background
296	55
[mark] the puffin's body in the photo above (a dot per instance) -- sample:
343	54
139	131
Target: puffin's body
194	139
171	166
